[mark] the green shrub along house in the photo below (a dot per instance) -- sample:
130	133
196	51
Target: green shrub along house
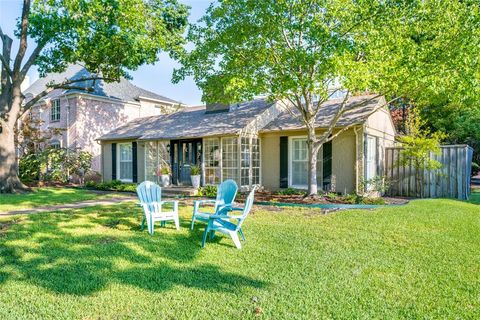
255	143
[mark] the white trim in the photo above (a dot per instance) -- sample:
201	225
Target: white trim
56	106
290	150
161	101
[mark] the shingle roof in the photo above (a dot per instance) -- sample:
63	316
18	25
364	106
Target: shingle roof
190	122
358	115
193	122
123	90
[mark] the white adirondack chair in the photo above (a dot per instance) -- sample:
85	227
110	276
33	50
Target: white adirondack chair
150	196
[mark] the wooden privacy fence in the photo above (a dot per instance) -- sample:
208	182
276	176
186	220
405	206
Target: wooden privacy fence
451	181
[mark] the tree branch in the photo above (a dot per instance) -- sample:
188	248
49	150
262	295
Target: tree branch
32	58
23	36
5	65
368	115
337	117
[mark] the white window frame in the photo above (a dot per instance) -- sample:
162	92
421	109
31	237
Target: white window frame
371	152
55	111
119	146
290	162
205	142
56	144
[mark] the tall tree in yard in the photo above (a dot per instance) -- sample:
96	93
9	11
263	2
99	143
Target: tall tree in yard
293	51
108	36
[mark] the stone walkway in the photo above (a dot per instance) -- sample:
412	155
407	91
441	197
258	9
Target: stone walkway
76	205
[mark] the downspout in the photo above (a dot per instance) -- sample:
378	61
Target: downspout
68	133
356	158
101	158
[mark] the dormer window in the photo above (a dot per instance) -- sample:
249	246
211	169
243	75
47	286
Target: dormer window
55	111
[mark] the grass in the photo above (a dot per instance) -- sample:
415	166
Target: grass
415	261
475	196
46	197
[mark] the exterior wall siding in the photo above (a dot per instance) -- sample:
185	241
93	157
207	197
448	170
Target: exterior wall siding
380	125
343	159
107	161
106	148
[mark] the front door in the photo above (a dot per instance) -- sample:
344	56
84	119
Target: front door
185	154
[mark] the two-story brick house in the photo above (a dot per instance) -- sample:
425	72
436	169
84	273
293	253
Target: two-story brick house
83	116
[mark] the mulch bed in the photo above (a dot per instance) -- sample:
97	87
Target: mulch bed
267	196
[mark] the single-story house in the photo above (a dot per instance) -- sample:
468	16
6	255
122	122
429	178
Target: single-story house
256	143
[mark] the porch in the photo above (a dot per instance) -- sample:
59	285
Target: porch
219	158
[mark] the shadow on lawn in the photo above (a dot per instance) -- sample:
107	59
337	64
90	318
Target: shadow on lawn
45	252
46	197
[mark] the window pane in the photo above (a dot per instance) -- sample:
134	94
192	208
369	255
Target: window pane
230	158
126	169
125	152
212	158
300	163
151	161
299	173
125	160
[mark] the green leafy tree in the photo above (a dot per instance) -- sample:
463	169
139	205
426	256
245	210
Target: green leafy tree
108	36
461	122
418	146
294	51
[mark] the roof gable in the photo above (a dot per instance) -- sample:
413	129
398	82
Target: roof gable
357	115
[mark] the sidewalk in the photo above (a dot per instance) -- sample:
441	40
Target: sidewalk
77	205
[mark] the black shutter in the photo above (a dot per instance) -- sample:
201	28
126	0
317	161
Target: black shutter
283	162
327	165
114	161
134	161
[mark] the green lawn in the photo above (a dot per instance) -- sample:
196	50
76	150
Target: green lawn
475	196
46	197
421	260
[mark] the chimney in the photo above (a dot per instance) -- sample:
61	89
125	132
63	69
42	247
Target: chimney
217	107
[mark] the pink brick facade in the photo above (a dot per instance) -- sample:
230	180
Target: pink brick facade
84	118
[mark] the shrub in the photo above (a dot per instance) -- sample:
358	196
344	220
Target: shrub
93	176
91	184
352	198
290	192
29	168
379	184
209	191
114	185
475	169
53	164
332	196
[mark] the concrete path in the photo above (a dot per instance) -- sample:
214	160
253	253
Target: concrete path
76	205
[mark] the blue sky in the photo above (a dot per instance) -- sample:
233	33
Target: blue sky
151	77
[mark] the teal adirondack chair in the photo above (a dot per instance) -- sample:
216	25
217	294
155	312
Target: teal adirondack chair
150	196
223	222
226	193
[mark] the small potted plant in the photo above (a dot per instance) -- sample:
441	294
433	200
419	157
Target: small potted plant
195	176
164	174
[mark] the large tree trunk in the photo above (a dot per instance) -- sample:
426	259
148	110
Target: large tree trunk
313	146
9	181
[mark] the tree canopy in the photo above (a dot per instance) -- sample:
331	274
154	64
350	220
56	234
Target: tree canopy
109	37
296	51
